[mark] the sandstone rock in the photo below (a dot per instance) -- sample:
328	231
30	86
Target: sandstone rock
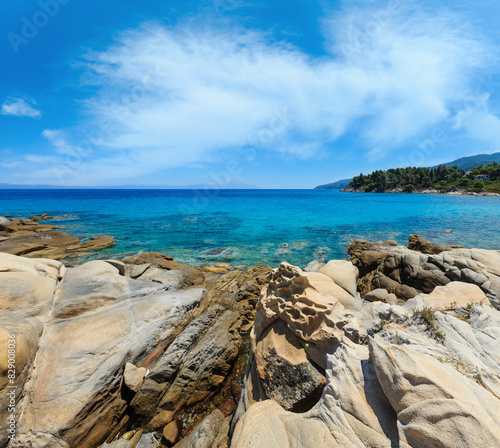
133	376
298	323
205	434
455	294
164	372
97	242
407	273
381	295
206	365
172	433
101	321
27	286
343	273
22	336
314	266
190	275
121	443
285	372
29	244
429	398
267	425
420	244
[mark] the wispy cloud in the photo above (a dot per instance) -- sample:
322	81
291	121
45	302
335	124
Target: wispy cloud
20	107
176	96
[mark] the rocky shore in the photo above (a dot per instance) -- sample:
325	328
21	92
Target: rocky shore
458	192
397	347
30	238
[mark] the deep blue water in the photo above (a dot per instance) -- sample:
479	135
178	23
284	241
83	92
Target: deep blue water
258	226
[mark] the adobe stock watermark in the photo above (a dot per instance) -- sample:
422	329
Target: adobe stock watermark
359	38
486	85
223	6
11	387
30	26
95	137
215	182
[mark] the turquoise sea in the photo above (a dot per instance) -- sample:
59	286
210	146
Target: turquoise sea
248	227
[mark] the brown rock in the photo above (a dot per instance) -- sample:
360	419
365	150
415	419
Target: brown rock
172	433
426	247
190	275
98	242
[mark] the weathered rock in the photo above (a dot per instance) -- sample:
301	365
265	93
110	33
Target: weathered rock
36	245
298	323
381	295
27	286
100	321
420	244
133	376
206	433
343	273
20	337
206	365
407	273
172	433
97	242
284	370
267	425
189	276
429	399
455	294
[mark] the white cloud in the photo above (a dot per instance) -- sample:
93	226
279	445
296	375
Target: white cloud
170	97
20	107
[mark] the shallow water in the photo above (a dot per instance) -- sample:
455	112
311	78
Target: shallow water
259	226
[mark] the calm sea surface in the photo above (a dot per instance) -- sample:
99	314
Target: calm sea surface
258	226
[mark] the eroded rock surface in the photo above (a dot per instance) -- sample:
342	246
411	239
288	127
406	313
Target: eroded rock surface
406	273
418	371
102	347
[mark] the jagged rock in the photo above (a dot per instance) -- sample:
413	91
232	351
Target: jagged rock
206	365
164	372
284	370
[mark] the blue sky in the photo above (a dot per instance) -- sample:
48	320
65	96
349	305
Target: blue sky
277	94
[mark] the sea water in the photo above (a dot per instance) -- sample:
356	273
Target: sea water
249	227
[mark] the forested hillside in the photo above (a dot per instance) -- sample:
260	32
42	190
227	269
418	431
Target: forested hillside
441	178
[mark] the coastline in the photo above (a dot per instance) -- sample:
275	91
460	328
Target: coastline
426	191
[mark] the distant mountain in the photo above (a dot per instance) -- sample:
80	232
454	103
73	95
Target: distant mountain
469	162
340	184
